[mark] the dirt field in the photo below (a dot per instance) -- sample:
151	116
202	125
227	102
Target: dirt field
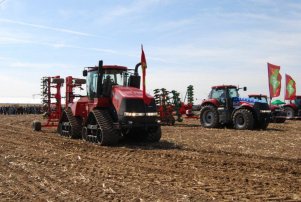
189	164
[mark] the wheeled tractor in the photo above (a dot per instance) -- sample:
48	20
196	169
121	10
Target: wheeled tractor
224	107
293	109
278	114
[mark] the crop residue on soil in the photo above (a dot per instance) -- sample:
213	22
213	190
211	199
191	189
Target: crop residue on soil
190	163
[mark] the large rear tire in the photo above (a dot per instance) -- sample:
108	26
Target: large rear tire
290	113
209	117
243	119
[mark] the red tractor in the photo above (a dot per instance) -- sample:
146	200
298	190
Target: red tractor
278	115
113	108
293	109
224	107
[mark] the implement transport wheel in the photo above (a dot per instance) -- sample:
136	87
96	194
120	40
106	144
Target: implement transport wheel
36	126
243	119
290	113
209	117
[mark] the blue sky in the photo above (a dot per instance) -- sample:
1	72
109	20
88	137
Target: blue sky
198	42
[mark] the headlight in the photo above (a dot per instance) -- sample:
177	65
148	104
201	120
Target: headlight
152	114
133	114
265	111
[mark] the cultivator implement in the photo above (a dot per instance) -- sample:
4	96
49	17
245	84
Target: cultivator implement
164	106
187	109
51	100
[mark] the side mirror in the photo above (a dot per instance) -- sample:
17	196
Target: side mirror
244	88
85	72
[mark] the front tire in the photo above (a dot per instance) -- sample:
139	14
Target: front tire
209	117
154	134
290	113
243	119
263	124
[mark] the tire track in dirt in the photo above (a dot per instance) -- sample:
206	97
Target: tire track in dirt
150	173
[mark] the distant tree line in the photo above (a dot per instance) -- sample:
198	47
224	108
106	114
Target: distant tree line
19	110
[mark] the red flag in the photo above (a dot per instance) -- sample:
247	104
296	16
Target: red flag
290	88
146	99
274	80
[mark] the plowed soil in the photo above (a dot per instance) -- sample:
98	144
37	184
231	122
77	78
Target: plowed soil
190	163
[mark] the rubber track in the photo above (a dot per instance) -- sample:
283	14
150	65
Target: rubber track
110	136
75	127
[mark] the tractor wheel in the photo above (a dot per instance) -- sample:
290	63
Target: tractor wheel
154	134
290	113
209	117
243	119
36	126
106	135
263	124
280	120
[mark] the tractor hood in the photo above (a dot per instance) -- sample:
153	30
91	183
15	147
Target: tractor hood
247	101
121	94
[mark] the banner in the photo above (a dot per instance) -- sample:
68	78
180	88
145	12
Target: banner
274	80
290	88
146	99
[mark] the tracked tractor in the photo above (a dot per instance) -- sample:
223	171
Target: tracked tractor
224	107
112	109
293	109
278	114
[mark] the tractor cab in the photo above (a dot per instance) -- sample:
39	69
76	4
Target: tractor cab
224	95
101	79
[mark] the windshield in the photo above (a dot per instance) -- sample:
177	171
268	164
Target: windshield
218	93
92	83
233	92
116	76
262	98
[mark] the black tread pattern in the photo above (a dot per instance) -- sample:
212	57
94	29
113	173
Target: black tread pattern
154	136
215	123
248	119
110	136
291	112
75	131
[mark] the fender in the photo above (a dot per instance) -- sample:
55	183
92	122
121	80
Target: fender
244	106
294	106
213	102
